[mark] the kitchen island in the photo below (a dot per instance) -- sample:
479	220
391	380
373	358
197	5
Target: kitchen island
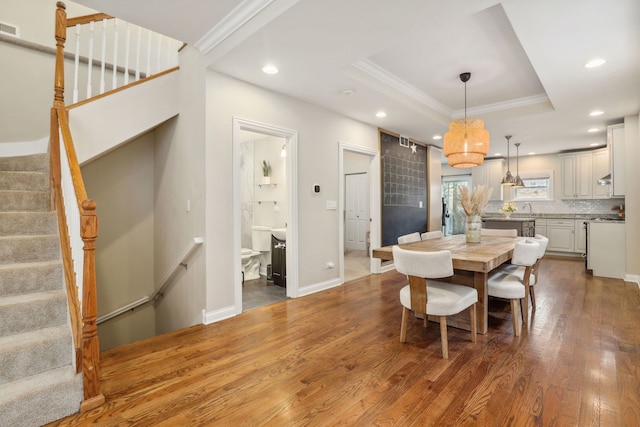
526	226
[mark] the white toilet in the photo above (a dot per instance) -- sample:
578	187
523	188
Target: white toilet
260	242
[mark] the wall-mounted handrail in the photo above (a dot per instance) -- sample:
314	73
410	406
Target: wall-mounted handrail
131	306
182	262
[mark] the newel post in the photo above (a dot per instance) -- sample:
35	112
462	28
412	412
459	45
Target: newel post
61	37
93	397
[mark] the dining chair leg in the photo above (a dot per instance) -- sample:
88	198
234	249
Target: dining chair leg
443	337
515	316
525	308
403	324
472	320
532	294
425	320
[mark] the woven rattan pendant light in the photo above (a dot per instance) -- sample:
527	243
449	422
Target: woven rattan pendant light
467	141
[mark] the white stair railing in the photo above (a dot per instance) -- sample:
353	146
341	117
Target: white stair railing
100	48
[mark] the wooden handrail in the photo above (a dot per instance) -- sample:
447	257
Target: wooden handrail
88	352
79	20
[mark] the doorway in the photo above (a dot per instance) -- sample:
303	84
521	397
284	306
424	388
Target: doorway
265	189
454	218
357	225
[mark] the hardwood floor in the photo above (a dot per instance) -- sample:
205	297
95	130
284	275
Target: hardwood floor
334	358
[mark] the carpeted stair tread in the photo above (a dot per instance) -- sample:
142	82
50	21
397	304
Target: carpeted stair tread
15	249
41	399
33	352
23	278
28	223
17	200
33	162
32	311
24	180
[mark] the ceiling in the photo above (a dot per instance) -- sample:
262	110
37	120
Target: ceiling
358	57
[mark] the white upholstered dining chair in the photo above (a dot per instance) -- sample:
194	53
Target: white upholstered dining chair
431	235
514	286
431	297
500	233
533	279
409	238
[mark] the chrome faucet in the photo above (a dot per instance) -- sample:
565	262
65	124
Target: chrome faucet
530	208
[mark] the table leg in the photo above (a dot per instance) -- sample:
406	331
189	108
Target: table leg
482	308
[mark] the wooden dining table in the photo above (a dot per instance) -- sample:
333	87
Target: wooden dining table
472	263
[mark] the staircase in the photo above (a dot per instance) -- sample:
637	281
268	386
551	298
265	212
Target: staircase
38	383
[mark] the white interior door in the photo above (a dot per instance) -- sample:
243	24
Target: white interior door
356	211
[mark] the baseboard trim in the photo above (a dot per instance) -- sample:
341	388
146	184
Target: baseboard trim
633	278
322	286
218	315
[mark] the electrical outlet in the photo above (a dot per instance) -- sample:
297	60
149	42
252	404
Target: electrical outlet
329	265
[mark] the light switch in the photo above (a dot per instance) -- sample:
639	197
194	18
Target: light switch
331	205
420	204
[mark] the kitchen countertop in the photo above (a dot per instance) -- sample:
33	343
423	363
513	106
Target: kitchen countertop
512	219
534	216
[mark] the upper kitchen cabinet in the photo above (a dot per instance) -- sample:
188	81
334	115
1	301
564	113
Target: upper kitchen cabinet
601	169
490	174
615	142
577	175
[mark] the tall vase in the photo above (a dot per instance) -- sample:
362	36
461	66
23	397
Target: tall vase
474	224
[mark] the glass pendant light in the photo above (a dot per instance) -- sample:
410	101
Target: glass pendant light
508	179
519	183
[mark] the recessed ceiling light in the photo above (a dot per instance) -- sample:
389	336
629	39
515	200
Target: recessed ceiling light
594	63
592	130
437	137
270	69
531	153
596	113
348	92
381	114
594	144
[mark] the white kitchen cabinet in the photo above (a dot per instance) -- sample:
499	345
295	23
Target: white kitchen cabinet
541	226
561	235
615	142
580	236
606	255
601	168
490	174
577	175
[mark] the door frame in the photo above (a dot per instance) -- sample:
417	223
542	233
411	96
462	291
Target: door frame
374	202
291	137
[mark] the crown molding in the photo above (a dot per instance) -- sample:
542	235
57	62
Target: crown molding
393	81
503	106
231	23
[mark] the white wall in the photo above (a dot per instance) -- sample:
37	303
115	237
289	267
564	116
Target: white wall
27	75
121	183
180	177
632	199
319	133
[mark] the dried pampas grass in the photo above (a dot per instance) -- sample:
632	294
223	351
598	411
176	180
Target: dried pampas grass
474	202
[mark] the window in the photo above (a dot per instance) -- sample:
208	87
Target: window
537	186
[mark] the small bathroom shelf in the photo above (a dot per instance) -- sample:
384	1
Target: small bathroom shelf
272	185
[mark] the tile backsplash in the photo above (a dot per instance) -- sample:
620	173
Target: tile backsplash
594	206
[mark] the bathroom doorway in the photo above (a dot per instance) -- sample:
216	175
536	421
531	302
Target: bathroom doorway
263	191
